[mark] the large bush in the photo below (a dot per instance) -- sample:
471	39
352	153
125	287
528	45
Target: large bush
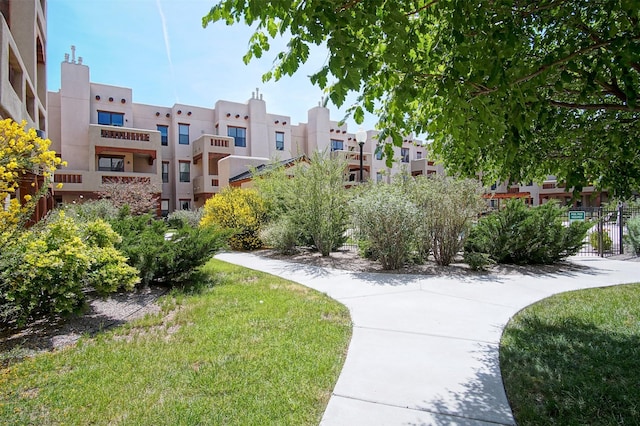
447	208
48	268
241	210
386	219
313	198
523	235
163	255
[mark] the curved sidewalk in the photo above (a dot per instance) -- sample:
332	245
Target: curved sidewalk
424	349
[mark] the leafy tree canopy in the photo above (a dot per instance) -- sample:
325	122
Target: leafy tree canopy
515	88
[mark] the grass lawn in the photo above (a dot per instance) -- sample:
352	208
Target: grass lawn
574	359
251	349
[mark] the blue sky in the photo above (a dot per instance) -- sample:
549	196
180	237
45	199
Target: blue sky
160	50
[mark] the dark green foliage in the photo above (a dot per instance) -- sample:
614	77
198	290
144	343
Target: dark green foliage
522	235
516	89
163	255
478	261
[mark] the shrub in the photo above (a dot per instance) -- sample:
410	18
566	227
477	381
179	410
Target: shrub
90	210
47	270
594	240
447	207
386	220
281	235
170	258
319	202
180	218
478	261
522	235
140	195
633	234
241	210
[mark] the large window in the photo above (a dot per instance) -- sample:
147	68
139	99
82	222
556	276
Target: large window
164	134
183	134
111	118
404	153
109	163
165	172
185	171
280	141
239	134
337	145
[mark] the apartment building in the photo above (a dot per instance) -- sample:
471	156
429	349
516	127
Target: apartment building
23	79
190	153
534	194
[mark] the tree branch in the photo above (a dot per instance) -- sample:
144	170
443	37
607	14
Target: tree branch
426	6
608	107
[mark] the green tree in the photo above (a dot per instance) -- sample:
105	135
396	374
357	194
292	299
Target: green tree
514	88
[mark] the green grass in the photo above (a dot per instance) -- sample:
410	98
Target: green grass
574	359
251	349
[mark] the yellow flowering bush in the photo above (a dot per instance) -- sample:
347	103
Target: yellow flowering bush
21	152
46	270
239	209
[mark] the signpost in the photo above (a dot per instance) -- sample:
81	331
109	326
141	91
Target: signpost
576	216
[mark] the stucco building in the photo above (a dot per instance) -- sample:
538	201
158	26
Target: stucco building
23	78
188	152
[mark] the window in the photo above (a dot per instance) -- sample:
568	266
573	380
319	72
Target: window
404	153
494	186
239	134
110	164
164	134
164	207
183	134
185	204
280	141
378	177
337	145
111	118
418	155
165	172
379	152
185	171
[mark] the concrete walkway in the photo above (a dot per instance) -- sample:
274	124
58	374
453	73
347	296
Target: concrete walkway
424	349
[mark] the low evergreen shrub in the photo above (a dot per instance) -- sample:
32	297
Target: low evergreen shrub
523	235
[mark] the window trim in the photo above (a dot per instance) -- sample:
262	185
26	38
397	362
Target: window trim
240	142
165	175
111	115
183	138
334	143
280	142
187	173
164	138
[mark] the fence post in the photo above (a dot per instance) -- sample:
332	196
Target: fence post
621	227
600	232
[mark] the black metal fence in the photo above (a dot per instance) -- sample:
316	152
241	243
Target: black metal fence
606	236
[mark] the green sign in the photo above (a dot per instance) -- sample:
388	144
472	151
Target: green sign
576	216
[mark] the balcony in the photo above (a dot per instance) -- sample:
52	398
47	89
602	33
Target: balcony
91	181
212	146
122	140
204	185
353	158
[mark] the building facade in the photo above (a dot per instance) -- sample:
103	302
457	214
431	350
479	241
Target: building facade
23	78
190	153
